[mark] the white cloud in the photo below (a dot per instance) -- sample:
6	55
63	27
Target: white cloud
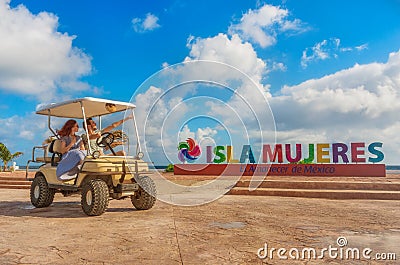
150	106
276	66
356	104
370	89
186	133
246	109
232	51
35	58
176	104
149	23
362	47
21	133
320	51
326	49
249	97
261	26
26	134
200	135
157	113
205	133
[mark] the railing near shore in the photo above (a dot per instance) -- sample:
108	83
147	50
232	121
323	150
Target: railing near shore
34	168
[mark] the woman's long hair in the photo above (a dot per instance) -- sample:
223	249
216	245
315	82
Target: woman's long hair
66	129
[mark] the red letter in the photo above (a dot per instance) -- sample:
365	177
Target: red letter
267	153
355	153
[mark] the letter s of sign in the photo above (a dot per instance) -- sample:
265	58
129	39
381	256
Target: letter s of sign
379	155
219	155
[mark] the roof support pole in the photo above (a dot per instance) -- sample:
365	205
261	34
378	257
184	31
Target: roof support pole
86	129
138	147
48	123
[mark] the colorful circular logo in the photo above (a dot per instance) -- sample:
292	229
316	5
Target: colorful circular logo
189	151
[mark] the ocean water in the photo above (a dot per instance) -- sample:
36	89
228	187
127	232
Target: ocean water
393	169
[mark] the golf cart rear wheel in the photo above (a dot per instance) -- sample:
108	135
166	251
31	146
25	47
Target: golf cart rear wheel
94	198
41	195
145	197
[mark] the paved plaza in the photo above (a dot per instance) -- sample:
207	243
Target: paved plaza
231	230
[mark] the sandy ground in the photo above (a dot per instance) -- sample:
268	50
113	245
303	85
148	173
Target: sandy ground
230	230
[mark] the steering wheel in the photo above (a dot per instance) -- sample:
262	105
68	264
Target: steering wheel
105	140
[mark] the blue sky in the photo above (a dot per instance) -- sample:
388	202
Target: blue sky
330	69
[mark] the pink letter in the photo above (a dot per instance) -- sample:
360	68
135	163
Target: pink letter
288	153
209	154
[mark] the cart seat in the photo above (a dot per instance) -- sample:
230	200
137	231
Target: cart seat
55	149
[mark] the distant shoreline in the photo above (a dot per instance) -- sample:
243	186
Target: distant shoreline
388	167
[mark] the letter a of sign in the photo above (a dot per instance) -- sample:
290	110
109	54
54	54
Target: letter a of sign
247	153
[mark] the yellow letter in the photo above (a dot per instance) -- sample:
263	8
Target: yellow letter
321	153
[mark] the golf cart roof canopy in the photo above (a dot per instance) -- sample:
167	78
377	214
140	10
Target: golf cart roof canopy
93	107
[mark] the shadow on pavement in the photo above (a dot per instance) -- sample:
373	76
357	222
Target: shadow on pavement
55	210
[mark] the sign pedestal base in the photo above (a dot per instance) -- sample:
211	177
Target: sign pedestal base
332	170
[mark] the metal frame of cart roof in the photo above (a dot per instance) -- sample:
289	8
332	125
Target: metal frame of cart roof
84	108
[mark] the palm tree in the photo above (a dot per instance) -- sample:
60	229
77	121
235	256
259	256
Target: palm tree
6	156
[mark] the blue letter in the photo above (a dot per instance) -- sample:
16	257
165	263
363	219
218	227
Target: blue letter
379	155
247	153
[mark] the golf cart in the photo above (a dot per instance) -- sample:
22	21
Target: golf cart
99	177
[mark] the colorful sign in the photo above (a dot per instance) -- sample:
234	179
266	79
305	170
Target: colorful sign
316	153
321	159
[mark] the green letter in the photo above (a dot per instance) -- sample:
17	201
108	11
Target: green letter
218	153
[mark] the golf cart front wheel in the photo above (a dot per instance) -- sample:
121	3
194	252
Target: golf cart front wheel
145	197
94	199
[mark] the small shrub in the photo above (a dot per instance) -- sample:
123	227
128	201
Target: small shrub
170	168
